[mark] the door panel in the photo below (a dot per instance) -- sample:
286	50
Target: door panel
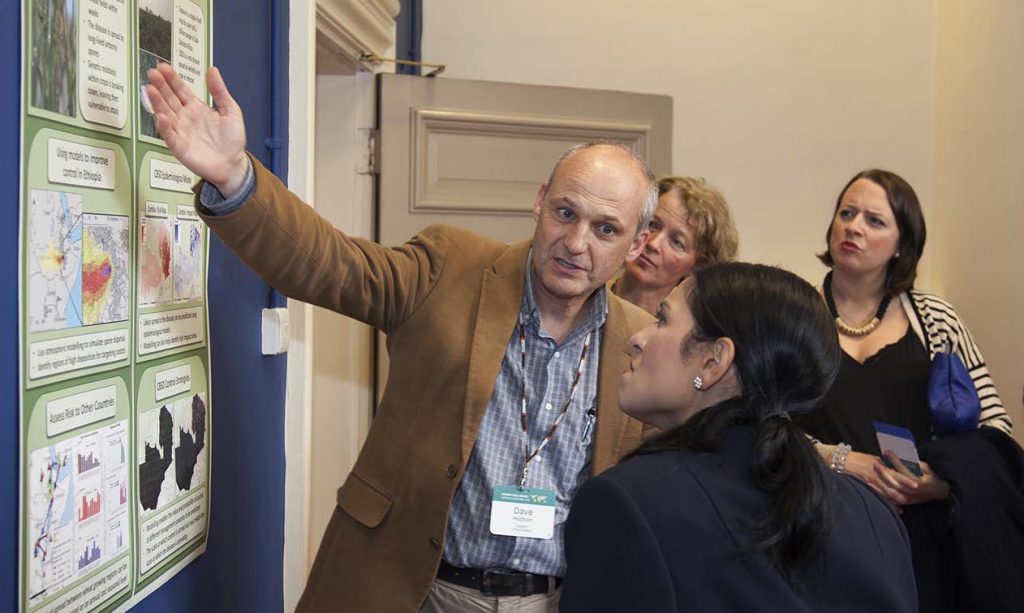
472	153
466	162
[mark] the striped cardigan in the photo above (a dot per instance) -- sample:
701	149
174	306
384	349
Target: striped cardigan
939	327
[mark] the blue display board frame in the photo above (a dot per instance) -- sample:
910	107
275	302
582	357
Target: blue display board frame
242	566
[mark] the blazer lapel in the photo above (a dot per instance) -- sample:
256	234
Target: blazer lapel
501	296
616	433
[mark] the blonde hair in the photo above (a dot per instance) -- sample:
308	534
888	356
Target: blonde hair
714	231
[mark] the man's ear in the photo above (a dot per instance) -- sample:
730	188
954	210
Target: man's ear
637	246
542	191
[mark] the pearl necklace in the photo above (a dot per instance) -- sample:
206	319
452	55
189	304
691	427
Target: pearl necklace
846	328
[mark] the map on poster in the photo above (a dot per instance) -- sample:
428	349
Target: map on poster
171	457
188	260
105	269
55	260
155	261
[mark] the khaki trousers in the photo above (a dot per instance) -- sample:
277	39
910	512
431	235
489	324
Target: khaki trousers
448	597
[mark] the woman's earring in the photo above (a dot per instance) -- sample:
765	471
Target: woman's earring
698	383
897	256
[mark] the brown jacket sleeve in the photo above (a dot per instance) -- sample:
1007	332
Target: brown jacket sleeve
302	255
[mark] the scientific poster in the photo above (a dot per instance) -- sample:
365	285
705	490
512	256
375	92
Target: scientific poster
115	398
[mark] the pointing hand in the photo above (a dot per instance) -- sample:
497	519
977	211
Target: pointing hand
209	141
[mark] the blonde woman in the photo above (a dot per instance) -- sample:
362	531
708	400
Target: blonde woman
691	227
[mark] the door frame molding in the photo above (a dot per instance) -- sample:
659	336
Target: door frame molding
323	36
298	381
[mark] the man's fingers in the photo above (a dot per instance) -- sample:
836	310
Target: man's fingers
163	127
156	100
167	129
166	94
180	89
219	91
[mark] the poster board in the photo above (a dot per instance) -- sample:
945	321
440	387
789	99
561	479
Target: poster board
115	366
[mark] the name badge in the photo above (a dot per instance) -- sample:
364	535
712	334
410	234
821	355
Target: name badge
528	513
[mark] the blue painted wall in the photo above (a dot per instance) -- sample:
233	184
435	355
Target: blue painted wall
409	34
10	62
242	567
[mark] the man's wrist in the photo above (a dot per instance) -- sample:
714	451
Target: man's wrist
213	201
235	179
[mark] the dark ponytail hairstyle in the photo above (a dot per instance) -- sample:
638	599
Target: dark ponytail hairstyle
787	355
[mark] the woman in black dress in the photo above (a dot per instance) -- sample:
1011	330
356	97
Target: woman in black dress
889	334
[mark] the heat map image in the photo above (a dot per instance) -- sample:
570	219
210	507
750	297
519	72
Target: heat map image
188	260
155	261
104	269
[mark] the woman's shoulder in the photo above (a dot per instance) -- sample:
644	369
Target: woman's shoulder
632	483
647	466
932	304
681	470
650	473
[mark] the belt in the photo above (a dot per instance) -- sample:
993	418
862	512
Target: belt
498	581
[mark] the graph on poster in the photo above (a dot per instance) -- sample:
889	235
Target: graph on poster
73	518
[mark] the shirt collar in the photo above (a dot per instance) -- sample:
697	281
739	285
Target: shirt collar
596	305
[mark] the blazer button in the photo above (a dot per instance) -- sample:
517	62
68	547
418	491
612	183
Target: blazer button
436	544
452	471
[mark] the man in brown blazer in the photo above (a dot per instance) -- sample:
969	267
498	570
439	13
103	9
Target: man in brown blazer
505	364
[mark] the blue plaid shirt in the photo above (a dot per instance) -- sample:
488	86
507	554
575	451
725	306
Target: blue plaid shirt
497	457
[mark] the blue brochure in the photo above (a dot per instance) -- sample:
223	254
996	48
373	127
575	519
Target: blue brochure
900	441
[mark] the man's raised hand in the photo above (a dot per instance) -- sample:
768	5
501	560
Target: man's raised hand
208	141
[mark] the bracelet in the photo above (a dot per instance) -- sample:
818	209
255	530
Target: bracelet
837	461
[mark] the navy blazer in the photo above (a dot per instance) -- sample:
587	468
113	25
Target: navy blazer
664	532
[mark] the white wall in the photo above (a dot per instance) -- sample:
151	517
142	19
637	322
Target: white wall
979	185
777	103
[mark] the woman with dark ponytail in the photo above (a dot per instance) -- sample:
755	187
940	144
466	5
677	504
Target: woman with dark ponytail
730	508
